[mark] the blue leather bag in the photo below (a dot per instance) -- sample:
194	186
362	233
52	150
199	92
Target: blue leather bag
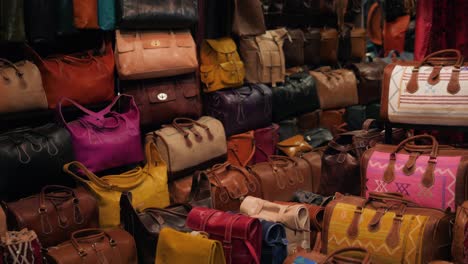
274	245
106	14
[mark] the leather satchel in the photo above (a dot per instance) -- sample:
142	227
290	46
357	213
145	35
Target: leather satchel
293	48
34	156
460	239
54	213
312	46
94	246
12	24
40	21
298	95
294	146
221	66
86	14
264	58
22	89
355	255
145	226
153	54
241	235
265	142
241	149
330	83
20	247
163	99
369	80
177	143
274	244
241	109
248	18
328	46
147	14
108	138
392	227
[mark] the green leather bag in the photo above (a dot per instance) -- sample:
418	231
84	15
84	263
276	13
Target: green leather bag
12	21
65	17
106	14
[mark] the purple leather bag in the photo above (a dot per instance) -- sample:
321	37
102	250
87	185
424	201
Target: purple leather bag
265	142
106	139
241	109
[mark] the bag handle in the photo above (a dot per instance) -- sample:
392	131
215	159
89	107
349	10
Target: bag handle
453	86
182	122
336	256
90	234
152	155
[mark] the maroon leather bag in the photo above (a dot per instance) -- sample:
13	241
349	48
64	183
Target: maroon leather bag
265	142
241	235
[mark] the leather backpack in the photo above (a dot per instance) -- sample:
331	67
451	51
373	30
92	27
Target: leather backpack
248	18
293	48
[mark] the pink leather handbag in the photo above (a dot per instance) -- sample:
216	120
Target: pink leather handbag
108	138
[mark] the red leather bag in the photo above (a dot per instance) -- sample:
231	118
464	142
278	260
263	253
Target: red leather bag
241	235
265	143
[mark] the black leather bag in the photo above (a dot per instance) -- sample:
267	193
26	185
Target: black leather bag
31	158
40	18
162	14
274	245
318	137
241	109
12	21
298	95
145	226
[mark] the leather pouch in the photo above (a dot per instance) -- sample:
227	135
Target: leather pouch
317	137
241	149
294	146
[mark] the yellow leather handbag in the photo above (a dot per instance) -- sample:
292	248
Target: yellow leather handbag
177	247
148	186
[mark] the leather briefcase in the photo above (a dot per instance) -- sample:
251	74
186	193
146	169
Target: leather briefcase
163	99
86	14
369	80
265	142
12	24
274	243
328	46
22	89
153	54
241	149
293	48
294	146
460	239
146	226
241	235
341	256
55	213
248	18
93	246
177	142
392	227
40	21
241	109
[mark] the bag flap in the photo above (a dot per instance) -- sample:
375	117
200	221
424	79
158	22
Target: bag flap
222	45
156	39
184	39
125	41
163	92
232	66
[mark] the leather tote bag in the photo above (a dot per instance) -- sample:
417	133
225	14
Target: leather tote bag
106	14
298	95
312	46
148	185
369	80
165	14
241	109
460	239
241	235
439	80
177	142
153	54
95	245
294	146
34	156
293	48
241	149
390	221
40	18
12	22
264	58
248	18
22	89
108	138
430	175
86	14
20	247
163	99
54	213
265	142
328	46
196	248
356	255
145	226
274	244
331	83
65	19
87	78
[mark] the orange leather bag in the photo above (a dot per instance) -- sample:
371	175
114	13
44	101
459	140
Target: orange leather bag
241	148
85	13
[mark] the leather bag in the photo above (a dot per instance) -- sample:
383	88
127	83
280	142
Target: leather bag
460	240
241	149
87	78
248	18
20	247
163	99
65	18
288	128
22	88
40	18
108	138
221	66
166	14
12	22
196	248
328	46
330	83
148	185
152	54
387	223
179	190
274	243
309	120
341	256
305	197
369	80
430	175
95	245
86	14
334	120
294	146
264	58
358	44
54	213
318	137
298	95
176	144
106	14
312	46
145	226
34	156
241	235
265	142
241	109
295	219
293	48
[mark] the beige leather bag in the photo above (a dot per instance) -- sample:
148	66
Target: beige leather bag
295	219
188	145
20	87
264	58
153	54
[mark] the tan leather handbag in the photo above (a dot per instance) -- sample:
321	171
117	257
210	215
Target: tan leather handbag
85	14
295	219
264	58
335	88
460	238
21	88
328	46
294	146
153	54
188	145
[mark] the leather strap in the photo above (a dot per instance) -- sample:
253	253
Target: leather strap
182	122
227	240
